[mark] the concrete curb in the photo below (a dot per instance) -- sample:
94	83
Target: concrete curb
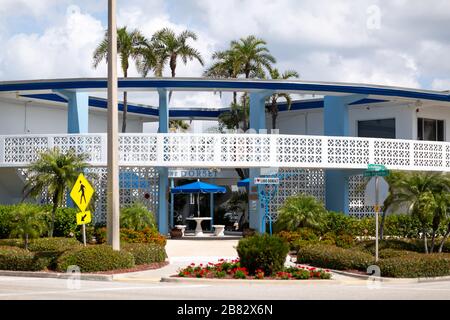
56	275
247	282
391	280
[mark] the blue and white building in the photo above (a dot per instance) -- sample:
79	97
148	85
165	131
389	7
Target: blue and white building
322	146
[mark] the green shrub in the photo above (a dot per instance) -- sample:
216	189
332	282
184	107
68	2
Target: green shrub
402	225
14	258
95	258
326	256
12	243
339	223
393	253
53	244
145	253
264	252
328	238
395	244
345	241
6	218
414	265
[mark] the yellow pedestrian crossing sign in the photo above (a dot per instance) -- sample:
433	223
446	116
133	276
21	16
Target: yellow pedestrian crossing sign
82	192
84	217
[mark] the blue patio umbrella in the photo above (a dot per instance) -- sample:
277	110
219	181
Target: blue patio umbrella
244	183
198	187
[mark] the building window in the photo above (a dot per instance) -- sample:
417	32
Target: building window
380	128
430	129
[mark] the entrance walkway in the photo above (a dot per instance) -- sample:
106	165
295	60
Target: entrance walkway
183	252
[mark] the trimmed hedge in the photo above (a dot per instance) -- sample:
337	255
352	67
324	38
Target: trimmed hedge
95	258
395	244
14	258
264	252
328	256
53	244
145	253
414	265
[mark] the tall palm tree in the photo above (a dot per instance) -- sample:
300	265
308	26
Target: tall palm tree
273	100
169	47
227	65
129	45
254	57
54	172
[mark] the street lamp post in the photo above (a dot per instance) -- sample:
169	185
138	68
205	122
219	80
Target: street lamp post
113	137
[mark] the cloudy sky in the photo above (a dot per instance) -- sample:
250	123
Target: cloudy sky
395	42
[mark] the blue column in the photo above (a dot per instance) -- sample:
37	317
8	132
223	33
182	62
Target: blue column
172	198
211	210
163	172
77	119
257	122
336	123
77	111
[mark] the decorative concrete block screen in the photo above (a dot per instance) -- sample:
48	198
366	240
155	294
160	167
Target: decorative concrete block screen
237	150
312	182
136	184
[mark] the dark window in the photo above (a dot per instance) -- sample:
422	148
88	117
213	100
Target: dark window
381	128
430	129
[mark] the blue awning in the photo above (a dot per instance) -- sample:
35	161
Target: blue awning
244	183
198	187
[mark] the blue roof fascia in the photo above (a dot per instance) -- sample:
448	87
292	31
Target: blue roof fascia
217	85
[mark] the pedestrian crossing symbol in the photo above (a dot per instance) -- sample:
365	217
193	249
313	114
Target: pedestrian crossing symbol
84	217
82	192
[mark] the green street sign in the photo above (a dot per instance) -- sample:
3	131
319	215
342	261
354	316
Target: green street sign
374	170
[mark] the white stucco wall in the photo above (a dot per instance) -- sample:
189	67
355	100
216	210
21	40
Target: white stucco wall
20	117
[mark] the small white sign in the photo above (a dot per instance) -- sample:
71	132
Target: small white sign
267	180
369	195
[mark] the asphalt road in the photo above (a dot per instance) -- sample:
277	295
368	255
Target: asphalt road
37	288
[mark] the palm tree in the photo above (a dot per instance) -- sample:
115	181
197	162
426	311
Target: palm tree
178	125
252	54
28	223
129	44
273	107
227	65
54	172
169	47
419	191
254	57
300	211
441	214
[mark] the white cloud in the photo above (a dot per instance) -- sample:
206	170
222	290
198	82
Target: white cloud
61	51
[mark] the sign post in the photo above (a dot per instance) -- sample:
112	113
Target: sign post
373	187
263	183
81	195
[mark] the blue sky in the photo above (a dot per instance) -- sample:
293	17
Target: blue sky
396	42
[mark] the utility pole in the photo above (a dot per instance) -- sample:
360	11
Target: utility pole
113	205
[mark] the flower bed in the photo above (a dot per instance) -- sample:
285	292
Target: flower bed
232	270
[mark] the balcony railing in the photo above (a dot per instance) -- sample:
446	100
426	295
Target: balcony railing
235	150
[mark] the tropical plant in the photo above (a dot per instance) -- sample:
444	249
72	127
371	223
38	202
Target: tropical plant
169	47
418	191
272	108
28	223
137	217
254	57
300	211
129	45
53	173
227	65
178	125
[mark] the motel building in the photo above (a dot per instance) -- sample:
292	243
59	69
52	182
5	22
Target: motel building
322	147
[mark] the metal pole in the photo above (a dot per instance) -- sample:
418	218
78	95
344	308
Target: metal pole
377	206
198	204
113	205
84	235
172	198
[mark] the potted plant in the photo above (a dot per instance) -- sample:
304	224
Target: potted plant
176	233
